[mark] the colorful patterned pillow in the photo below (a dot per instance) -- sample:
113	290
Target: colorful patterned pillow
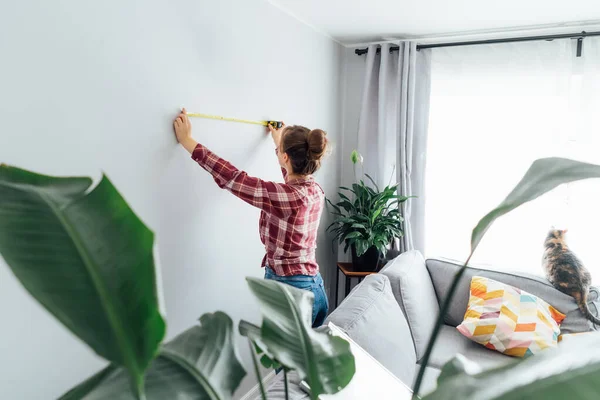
509	320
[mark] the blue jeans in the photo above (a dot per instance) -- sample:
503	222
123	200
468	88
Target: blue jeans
312	284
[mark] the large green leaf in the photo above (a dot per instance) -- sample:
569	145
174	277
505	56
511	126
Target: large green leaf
252	332
569	372
201	363
544	175
325	361
87	258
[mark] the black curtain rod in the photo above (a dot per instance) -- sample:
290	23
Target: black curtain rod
578	36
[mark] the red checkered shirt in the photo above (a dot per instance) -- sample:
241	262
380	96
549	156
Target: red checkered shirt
290	215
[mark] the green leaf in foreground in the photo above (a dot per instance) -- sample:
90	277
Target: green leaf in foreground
571	371
286	335
201	363
250	330
88	259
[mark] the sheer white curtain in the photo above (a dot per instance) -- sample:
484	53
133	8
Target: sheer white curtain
494	109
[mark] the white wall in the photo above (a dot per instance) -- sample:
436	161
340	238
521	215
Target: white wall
93	86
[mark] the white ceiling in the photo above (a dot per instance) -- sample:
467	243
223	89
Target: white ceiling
360	21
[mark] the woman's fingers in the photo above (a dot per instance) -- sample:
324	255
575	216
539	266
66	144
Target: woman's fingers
184	117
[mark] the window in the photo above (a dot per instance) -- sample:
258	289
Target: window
494	110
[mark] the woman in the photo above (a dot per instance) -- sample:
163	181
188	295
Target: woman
291	211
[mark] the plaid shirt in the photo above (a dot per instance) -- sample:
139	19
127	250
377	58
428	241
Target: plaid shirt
290	214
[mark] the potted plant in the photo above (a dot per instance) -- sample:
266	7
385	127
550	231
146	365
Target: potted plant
367	219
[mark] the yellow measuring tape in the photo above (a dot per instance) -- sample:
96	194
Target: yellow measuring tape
275	124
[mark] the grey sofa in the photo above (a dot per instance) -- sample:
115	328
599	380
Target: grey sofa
392	314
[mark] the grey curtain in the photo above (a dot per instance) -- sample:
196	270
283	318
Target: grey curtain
392	132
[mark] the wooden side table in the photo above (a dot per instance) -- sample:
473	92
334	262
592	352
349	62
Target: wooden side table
349	272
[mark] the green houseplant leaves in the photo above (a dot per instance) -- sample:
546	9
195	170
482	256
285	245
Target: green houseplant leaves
200	363
543	175
286	335
87	258
366	217
370	217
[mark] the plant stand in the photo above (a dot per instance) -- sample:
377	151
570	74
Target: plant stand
347	269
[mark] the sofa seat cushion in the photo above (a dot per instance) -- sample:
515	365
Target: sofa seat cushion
371	316
450	342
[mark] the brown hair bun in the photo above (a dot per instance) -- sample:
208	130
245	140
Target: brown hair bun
305	148
317	144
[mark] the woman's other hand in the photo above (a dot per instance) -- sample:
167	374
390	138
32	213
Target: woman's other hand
276	133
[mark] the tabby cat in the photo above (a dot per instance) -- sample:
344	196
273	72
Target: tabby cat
566	272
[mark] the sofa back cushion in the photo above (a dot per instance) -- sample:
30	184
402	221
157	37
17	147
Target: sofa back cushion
414	292
371	316
442	273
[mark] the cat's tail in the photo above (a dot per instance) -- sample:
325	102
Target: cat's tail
583	306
